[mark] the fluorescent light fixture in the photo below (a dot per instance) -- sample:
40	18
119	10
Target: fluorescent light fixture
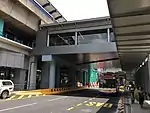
143	63
146	59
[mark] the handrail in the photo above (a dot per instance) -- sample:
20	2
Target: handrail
14	38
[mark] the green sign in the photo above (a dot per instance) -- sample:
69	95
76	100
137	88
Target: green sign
92	74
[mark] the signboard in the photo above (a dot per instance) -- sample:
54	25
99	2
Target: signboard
46	58
107	76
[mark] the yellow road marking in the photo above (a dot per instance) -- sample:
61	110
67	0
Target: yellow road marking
94	102
110	105
79	104
70	108
90	104
20	97
85	101
99	104
37	95
10	98
105	105
29	96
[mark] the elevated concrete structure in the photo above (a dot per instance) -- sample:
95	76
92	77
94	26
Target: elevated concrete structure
78	43
84	27
19	22
131	23
130	20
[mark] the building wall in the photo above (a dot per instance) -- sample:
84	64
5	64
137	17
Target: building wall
20	13
28	4
11	59
142	77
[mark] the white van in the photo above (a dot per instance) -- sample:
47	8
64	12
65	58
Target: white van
6	88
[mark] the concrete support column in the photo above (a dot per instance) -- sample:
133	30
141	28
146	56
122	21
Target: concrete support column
72	73
148	79
19	79
57	80
48	75
84	78
45	75
32	73
52	75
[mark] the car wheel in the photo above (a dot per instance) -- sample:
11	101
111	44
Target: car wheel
4	94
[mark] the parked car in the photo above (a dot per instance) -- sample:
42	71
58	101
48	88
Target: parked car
6	88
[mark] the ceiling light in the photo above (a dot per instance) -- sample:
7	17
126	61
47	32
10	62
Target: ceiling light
140	65
143	63
146	59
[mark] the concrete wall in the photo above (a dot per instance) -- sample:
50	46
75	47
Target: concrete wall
41	46
73	49
28	4
11	59
142	77
14	46
20	13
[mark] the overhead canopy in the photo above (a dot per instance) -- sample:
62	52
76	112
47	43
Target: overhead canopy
51	10
131	23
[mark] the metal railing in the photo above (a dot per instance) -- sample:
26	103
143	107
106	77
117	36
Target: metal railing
14	38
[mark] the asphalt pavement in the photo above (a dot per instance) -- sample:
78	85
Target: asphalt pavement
83	101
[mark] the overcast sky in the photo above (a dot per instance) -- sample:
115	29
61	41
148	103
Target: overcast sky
81	9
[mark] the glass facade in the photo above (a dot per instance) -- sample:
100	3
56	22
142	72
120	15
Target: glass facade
87	37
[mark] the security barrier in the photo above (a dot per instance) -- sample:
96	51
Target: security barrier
47	91
92	85
121	105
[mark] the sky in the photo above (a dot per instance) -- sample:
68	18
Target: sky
81	9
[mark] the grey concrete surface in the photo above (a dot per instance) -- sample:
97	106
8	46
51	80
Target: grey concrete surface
85	101
135	108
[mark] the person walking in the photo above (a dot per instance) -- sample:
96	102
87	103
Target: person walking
141	97
136	94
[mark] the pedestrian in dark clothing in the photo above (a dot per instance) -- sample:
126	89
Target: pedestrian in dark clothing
141	97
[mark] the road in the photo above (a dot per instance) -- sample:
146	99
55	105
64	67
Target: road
83	101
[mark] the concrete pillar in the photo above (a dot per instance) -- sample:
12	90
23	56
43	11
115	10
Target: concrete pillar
19	79
148	79
45	75
32	73
52	75
84	78
72	73
57	80
48	75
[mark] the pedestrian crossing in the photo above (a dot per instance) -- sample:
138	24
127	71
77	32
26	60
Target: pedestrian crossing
19	97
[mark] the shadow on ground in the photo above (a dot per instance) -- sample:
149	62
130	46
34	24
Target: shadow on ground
86	93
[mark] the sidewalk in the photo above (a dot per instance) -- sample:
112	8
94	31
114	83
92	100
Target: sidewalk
135	108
